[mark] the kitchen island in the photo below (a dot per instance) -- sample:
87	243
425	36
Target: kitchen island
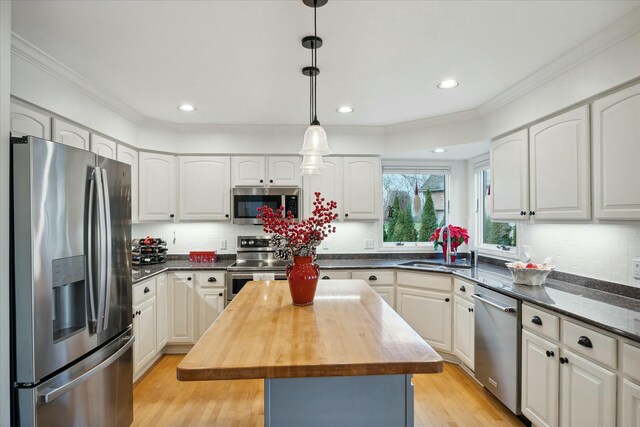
347	360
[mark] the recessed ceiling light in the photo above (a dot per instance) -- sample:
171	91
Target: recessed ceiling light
439	150
187	107
448	84
344	109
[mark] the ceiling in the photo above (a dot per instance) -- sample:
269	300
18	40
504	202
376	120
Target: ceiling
239	62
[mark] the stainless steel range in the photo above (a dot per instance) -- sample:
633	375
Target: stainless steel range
255	260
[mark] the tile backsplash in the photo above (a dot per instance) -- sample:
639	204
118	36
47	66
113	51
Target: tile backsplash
600	251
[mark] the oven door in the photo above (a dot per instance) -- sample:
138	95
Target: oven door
236	281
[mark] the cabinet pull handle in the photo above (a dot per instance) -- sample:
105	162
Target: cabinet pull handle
550	353
189	278
270	181
346	215
212	279
563	360
446	300
536	320
326	277
226	215
470	310
585	342
261	181
220	294
146	290
532	213
133	316
523	213
463	289
373	278
171	216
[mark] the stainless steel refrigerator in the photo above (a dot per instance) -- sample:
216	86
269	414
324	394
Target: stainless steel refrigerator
71	287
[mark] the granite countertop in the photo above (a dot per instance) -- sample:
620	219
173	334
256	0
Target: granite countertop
611	312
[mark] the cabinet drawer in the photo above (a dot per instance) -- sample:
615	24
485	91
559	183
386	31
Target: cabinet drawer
210	279
463	289
631	361
590	343
143	291
438	282
541	322
334	274
375	277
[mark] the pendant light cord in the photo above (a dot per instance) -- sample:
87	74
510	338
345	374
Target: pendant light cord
315	59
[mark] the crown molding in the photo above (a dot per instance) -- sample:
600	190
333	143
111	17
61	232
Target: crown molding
429	122
614	33
27	51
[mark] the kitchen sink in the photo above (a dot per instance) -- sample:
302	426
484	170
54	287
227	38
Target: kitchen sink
436	264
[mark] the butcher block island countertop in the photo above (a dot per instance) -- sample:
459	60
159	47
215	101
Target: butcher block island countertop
348	331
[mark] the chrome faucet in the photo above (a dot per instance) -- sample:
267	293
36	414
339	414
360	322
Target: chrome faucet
447	257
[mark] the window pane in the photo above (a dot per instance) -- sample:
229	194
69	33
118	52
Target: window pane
495	233
414	206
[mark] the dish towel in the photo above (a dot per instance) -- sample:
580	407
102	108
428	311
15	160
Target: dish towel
264	276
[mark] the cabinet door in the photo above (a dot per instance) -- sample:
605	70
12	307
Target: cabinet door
161	312
560	167
630	404
210	305
104	147
361	187
616	150
157	183
329	183
429	313
25	121
588	393
387	293
248	170
130	156
70	134
205	188
181	301
463	330
145	333
284	171
540	380
510	177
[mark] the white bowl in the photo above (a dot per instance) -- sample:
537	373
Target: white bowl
529	276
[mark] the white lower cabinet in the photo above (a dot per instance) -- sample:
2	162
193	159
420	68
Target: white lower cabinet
386	293
429	313
210	305
464	330
161	312
180	308
144	326
540	380
630	404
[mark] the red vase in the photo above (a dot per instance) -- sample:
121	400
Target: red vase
303	279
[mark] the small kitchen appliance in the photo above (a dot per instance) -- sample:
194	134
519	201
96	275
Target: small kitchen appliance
247	200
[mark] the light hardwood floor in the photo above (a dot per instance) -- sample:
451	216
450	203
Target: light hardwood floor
449	399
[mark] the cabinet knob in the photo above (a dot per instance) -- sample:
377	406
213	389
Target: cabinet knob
270	181
189	278
326	277
522	213
172	215
550	353
133	316
470	310
220	294
212	279
446	300
346	215
585	342
536	320
226	216
261	181
146	290
373	278
532	212
563	360
463	289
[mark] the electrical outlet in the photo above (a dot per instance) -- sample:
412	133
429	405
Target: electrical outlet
325	245
223	244
368	243
636	268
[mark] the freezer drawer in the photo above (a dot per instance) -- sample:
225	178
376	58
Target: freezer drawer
97	391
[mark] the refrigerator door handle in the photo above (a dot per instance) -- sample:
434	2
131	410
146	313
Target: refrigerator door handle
109	260
90	246
102	257
51	395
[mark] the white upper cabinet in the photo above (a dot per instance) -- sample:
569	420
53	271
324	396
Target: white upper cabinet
283	171
616	151
560	165
249	170
510	177
329	183
157	180
26	121
361	187
130	156
70	134
205	187
104	147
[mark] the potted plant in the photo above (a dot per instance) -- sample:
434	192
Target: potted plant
459	235
298	240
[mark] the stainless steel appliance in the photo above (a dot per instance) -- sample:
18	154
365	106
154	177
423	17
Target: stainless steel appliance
497	345
71	287
247	200
255	257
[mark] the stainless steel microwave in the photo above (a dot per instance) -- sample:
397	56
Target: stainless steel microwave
247	200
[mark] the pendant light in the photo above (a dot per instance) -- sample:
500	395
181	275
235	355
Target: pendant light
416	206
315	143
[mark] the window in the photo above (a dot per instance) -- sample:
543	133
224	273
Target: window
496	236
414	205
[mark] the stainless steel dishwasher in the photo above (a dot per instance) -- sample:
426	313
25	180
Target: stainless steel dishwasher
497	345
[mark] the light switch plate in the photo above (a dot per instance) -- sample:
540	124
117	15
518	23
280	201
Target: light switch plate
325	245
223	244
636	268
368	243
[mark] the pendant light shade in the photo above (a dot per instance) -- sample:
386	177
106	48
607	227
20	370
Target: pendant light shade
315	142
312	165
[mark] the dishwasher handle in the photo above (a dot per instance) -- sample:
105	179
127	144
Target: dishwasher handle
493	304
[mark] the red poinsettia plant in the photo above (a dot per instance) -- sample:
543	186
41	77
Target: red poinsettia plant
298	238
459	235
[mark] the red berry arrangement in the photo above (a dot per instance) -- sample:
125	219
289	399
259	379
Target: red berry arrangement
298	238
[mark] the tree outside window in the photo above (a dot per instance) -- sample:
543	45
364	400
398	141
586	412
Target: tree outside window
495	233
